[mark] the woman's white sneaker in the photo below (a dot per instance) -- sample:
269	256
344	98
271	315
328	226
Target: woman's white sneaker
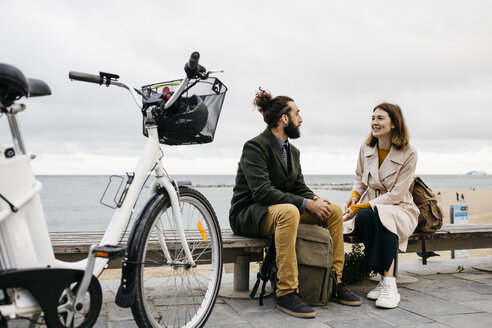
388	297
374	294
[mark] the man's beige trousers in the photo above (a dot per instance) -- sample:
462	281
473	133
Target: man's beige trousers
283	220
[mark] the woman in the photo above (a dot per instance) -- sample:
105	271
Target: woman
386	215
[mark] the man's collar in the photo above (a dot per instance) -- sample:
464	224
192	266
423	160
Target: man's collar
281	142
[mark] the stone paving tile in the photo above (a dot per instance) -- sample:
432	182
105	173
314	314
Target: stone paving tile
453	289
224	316
123	324
475	276
335	311
109	289
443	266
248	305
115	313
399	316
425	325
229	324
366	307
482	305
427	305
219	300
461	282
475	320
359	323
276	318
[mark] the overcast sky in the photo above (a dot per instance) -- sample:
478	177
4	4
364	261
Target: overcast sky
336	59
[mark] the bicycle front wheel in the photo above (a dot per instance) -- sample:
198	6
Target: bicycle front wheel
173	293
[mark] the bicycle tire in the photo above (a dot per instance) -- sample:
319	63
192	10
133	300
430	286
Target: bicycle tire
93	300
175	295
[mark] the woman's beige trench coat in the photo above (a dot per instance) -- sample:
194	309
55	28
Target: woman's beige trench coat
386	188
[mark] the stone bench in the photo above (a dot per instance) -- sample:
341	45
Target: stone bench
449	237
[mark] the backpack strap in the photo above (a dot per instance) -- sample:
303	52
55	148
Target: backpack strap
263	274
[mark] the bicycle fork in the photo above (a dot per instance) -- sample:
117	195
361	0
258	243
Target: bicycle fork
176	211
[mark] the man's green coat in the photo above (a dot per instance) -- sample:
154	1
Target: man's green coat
262	180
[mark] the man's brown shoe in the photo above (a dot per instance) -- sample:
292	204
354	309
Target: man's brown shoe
293	304
343	295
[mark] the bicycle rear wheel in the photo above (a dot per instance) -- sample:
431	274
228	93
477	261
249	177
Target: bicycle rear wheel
176	294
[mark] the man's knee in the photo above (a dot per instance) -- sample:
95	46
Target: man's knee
336	212
283	215
288	214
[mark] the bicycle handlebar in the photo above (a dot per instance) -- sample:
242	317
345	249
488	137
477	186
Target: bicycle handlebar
192	67
86	77
193	62
106	79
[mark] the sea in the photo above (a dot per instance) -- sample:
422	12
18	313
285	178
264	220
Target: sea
74	202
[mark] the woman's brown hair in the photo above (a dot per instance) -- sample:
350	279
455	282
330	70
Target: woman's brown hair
271	108
399	136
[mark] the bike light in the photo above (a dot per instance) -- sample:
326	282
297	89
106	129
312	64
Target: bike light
109	251
102	254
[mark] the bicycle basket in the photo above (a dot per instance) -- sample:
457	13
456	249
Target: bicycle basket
193	118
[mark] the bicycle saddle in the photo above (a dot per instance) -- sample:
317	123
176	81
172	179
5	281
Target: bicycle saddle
14	85
38	88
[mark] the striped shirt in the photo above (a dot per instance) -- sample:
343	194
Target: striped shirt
284	146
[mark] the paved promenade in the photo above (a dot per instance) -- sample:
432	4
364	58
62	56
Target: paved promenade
442	297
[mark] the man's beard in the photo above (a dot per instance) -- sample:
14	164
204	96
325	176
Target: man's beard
292	131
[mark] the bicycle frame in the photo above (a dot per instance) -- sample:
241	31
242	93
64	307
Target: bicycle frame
149	160
23	222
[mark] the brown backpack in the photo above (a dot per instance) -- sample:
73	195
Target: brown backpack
430	218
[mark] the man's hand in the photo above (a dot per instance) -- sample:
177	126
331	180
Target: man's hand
323	199
319	207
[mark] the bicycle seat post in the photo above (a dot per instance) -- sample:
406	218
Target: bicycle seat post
15	129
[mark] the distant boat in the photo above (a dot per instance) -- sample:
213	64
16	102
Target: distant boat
476	173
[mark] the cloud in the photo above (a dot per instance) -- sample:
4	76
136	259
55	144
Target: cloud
337	59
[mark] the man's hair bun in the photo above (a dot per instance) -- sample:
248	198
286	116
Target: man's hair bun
262	100
271	108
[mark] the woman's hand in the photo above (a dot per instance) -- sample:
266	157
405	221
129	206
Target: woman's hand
351	201
348	214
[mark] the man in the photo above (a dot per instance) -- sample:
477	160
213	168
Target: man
271	197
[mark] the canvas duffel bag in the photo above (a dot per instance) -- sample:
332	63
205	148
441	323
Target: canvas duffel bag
314	250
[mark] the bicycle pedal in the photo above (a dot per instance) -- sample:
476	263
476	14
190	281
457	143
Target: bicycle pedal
109	251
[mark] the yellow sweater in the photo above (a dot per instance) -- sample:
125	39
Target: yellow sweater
382	153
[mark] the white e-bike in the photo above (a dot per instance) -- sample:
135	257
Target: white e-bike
172	261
